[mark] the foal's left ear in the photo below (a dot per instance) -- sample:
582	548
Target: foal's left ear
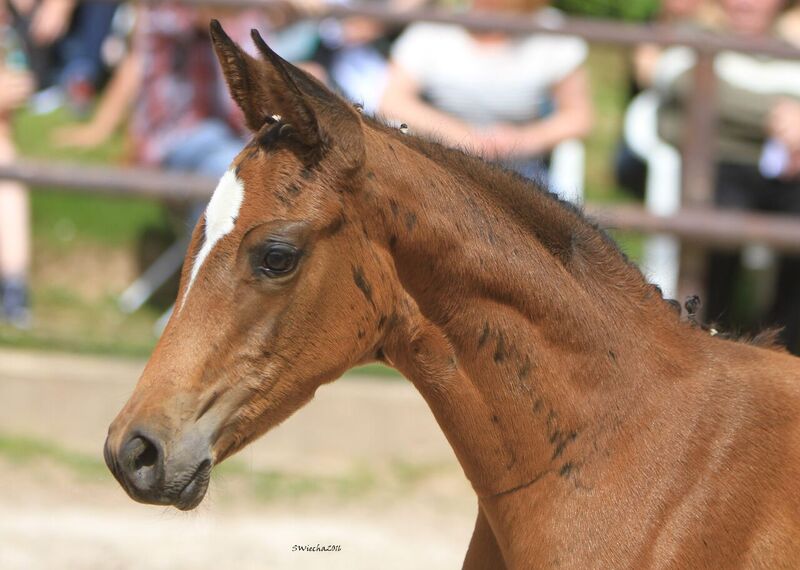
265	88
264	91
338	122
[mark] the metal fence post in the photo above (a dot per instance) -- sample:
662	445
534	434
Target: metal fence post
699	165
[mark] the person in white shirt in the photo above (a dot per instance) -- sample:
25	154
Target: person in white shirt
508	98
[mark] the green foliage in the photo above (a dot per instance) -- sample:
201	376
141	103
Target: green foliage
62	219
62	320
374	370
271	485
630	243
630	10
59	217
409	474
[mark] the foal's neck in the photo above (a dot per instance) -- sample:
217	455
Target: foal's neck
523	326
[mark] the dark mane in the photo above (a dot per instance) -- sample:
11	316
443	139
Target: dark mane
561	226
566	229
769	339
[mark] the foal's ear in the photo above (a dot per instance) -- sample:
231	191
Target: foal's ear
265	89
338	123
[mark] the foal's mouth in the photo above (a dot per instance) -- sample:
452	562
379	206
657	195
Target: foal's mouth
193	492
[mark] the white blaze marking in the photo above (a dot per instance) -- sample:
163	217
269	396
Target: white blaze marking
221	214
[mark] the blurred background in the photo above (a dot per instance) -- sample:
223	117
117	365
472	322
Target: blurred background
675	123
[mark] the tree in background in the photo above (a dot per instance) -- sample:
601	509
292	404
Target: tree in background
632	10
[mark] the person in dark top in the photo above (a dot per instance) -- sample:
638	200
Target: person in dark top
758	153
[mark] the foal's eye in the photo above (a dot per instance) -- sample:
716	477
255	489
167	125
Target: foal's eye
279	259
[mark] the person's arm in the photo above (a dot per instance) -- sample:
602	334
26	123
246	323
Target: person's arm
112	109
402	102
17	86
783	124
14	201
573	118
645	62
51	21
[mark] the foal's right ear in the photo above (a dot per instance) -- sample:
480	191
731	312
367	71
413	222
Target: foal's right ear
264	90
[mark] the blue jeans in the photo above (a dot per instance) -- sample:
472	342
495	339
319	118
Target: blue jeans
208	149
80	50
75	56
531	168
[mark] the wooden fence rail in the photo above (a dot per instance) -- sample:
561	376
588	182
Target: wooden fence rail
593	30
702	226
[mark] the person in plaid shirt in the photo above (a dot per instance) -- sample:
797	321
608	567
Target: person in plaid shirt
183	118
182	115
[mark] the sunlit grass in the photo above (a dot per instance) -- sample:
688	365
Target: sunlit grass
23	450
271	485
63	321
233	476
59	217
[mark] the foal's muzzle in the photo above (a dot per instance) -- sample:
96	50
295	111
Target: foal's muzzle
139	462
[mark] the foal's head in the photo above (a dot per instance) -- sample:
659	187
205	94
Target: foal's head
275	297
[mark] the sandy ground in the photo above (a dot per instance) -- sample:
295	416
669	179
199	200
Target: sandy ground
78	535
53	518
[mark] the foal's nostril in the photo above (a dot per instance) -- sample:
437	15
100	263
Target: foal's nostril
146	455
141	464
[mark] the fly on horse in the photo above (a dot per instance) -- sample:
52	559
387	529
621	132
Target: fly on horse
597	429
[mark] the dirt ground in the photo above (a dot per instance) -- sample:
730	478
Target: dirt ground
398	498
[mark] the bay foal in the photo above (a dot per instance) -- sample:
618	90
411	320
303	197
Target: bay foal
597	430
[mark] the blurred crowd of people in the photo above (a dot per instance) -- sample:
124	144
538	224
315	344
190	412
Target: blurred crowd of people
150	69
757	150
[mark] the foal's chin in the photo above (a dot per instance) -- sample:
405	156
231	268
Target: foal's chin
185	491
192	493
